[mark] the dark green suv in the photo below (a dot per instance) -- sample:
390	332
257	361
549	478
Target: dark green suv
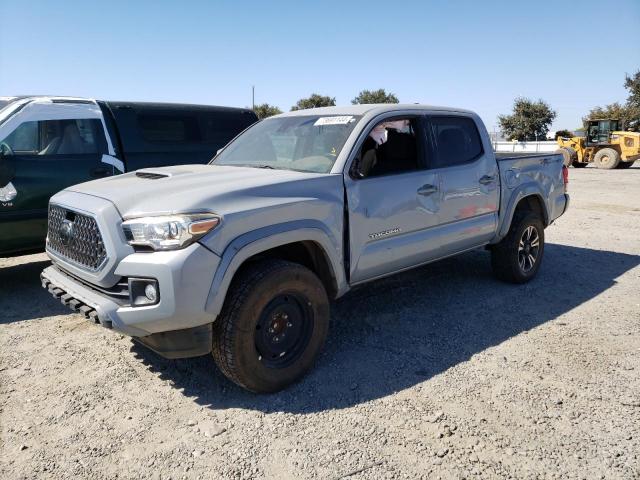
50	143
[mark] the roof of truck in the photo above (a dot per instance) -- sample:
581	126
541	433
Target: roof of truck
46	97
189	106
373	108
119	104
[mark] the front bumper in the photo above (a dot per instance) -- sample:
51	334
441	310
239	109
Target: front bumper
184	279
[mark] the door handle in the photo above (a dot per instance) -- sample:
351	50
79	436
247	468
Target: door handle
487	179
427	189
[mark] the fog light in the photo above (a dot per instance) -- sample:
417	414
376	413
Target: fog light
143	291
151	293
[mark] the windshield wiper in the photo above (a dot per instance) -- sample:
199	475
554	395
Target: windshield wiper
264	166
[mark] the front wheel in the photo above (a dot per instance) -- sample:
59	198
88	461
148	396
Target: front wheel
517	258
272	327
607	158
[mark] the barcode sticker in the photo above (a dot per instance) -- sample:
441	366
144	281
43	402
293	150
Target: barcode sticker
342	120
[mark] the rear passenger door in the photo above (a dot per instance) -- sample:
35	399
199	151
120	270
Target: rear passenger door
468	182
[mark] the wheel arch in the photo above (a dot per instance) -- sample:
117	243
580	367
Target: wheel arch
310	246
528	197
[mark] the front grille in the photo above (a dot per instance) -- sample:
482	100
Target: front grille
76	238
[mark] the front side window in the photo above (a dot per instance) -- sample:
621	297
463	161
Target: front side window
56	137
390	147
457	140
303	143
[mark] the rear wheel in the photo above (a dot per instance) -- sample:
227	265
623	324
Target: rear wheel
517	258
272	326
606	158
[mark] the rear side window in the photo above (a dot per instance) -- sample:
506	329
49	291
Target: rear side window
457	140
169	128
216	128
222	127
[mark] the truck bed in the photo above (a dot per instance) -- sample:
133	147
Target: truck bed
518	155
539	174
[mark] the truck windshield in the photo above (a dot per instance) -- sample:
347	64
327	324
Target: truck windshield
302	143
11	108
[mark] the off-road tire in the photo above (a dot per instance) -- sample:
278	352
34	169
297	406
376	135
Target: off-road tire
625	165
606	158
569	155
250	295
505	255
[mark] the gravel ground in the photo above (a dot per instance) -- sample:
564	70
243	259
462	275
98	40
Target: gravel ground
442	372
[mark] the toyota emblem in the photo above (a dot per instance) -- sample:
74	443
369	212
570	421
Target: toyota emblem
66	232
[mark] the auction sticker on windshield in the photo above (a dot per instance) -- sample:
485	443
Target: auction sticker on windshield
342	120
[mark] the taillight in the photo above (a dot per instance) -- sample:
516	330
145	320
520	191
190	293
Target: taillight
565	178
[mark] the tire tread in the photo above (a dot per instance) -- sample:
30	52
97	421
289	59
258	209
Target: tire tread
224	329
501	253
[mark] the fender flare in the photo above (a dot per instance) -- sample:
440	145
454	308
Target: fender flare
521	192
264	239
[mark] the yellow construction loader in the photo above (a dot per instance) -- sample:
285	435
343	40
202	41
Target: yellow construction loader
604	143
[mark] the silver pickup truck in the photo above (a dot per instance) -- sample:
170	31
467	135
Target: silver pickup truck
241	257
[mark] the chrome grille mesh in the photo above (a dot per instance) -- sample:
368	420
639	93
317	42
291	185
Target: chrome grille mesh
84	246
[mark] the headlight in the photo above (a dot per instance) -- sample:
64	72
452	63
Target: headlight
169	232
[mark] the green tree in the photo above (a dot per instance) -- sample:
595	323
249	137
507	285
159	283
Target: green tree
265	110
529	121
314	101
374	96
628	112
613	110
632	83
563	133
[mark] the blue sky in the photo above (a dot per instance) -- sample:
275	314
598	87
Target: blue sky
471	54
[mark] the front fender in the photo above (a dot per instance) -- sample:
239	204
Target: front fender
261	240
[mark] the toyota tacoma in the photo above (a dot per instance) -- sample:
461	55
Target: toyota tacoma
240	258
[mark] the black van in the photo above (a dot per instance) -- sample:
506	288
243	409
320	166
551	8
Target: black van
50	143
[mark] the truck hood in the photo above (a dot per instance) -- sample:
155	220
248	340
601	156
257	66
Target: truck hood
189	188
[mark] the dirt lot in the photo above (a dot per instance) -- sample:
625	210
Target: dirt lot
442	372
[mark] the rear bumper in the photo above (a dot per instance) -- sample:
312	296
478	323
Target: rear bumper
184	278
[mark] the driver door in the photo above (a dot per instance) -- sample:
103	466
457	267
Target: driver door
44	157
393	201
